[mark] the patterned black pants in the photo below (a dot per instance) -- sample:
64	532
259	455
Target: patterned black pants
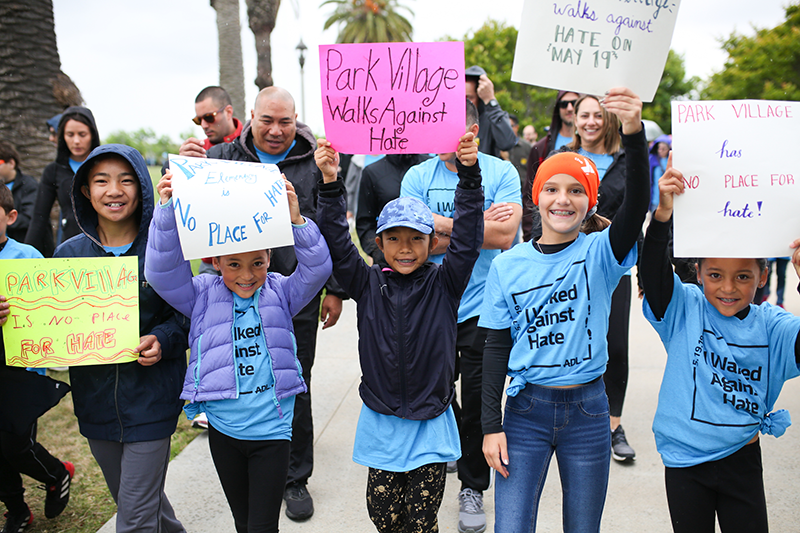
406	502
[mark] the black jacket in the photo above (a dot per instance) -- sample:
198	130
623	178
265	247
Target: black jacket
24	192
128	402
56	184
407	323
495	131
380	184
301	170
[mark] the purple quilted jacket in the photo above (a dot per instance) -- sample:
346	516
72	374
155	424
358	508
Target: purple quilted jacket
209	304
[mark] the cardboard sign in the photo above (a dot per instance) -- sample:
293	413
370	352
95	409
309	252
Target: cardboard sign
69	312
590	46
742	186
227	207
393	98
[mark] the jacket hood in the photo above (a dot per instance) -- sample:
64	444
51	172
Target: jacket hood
85	213
62	154
555	122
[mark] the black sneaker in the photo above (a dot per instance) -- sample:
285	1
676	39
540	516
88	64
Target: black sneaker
58	493
18	523
620	449
299	504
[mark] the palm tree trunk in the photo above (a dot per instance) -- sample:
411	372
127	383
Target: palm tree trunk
32	86
231	70
262	15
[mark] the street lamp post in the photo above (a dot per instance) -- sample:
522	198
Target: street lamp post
301	57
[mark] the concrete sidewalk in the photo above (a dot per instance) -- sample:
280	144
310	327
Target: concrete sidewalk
636	501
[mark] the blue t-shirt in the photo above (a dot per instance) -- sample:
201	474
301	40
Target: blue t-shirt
269	159
396	444
254	414
561	141
601	161
557	307
74	165
723	375
17	250
118	250
435	185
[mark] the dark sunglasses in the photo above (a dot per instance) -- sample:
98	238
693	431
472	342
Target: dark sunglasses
208	117
562	104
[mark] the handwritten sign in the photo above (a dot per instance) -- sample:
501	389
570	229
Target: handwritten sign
742	186
227	207
393	98
70	312
589	46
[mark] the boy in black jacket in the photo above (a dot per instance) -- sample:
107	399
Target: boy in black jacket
407	336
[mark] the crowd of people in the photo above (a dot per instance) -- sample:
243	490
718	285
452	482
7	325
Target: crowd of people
510	258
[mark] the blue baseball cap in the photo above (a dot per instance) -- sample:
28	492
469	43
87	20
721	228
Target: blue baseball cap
406	213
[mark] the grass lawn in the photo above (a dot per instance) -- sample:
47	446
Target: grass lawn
90	504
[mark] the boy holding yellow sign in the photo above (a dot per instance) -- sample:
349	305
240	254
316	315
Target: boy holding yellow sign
128	411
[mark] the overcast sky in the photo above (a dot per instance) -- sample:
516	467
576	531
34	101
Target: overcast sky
141	63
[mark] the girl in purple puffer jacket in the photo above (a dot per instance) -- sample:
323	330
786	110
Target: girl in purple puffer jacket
243	371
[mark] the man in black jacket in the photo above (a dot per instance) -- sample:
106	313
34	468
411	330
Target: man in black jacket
495	131
23	188
274	136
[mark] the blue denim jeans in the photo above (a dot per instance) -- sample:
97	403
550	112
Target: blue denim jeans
574	424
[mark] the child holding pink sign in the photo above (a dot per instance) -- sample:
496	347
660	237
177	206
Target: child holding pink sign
727	361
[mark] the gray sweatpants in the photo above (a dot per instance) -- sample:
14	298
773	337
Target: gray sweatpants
135	473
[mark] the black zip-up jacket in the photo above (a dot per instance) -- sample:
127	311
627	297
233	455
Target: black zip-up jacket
128	402
407	323
301	170
56	184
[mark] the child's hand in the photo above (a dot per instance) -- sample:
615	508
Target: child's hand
149	350
327	160
627	106
294	205
495	449
467	151
670	184
165	187
795	258
5	310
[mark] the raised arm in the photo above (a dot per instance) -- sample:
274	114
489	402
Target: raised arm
631	214
655	268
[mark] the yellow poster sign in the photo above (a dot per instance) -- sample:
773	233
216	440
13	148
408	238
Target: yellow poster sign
69	312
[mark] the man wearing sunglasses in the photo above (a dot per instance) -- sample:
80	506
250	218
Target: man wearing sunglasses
213	113
562	128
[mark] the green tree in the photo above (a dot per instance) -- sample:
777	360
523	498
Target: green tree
764	66
369	21
152	147
673	85
492	47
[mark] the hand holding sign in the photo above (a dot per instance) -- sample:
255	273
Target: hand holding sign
327	160
669	185
622	102
467	151
165	187
294	205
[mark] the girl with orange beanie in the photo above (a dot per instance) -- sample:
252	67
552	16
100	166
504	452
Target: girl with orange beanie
546	307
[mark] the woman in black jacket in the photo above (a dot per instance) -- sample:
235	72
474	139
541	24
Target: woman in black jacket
77	137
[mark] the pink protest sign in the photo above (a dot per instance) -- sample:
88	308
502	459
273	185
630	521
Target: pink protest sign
393	98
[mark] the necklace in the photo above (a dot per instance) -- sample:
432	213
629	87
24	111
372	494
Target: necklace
538	247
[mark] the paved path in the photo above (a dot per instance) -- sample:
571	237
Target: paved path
635	503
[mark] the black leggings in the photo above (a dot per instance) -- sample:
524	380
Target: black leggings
616	376
22	454
253	476
731	487
406	502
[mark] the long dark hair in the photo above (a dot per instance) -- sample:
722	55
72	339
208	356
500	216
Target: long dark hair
83	119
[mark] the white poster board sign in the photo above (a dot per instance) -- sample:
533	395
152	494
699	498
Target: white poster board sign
226	207
590	46
741	177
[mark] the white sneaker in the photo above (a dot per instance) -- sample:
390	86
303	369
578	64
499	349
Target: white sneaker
471	518
200	421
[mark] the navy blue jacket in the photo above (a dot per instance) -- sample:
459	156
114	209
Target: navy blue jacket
407	323
128	402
